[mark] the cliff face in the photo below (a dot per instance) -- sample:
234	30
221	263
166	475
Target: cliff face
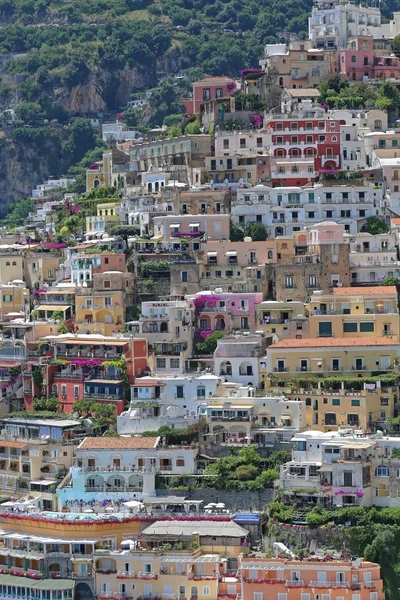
23	166
105	90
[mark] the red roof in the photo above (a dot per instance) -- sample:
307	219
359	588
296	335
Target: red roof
378	290
333	342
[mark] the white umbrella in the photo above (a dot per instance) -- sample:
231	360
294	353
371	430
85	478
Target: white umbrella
88	510
132	504
127	542
220	505
110	509
210	505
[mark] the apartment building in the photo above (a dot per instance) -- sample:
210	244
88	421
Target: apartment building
83	374
309	578
285	210
91	260
209	88
373	258
192	227
237	359
331	355
245	419
218	311
35	454
173	400
236	266
355	312
282	319
359	403
360	61
303	144
317	258
106	216
118	465
298	65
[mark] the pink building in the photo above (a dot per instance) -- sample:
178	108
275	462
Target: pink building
224	311
362	61
210	88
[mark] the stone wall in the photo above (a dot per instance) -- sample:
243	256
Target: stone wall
241	501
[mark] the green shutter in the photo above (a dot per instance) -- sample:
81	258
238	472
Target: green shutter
355	403
325	328
367	326
349	327
335	401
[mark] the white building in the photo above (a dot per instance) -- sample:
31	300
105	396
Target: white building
122	468
116	132
51	184
237	359
373	258
176	401
244	418
344	468
285	210
332	23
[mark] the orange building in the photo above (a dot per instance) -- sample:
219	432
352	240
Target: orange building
309	579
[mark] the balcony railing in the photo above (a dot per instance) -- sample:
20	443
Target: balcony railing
330	584
294	583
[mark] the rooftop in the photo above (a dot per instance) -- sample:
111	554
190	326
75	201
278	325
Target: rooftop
378	290
303	93
191	528
119	443
334	342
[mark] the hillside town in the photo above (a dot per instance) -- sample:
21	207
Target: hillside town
199	355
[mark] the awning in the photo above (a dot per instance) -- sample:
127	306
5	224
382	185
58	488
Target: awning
45	482
325	469
231	253
174	225
61	307
194	224
212	253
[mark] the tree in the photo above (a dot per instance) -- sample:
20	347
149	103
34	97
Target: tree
132	116
257	231
29	112
125	231
246	472
376	226
50	404
236	233
193	128
209	344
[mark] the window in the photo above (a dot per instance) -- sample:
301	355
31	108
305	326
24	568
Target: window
184	276
258	596
106	260
367	326
206	94
349	327
304	596
353	58
180	462
325	329
7	298
347	478
161	363
282	596
107	301
107	284
206	590
174	363
179	391
335	401
226	144
219	93
355	402
289	282
382	471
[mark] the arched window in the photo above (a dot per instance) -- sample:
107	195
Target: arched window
7	264
382	471
378	124
270	254
96	183
347	137
353	58
14	263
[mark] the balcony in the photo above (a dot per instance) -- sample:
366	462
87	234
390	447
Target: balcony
294	583
330	584
281	369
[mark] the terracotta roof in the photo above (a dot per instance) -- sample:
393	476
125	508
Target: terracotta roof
333	342
396	220
120	443
377	290
12	444
304	93
213	79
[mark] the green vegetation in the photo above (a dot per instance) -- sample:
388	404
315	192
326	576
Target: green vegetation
124	231
148	267
373	533
177	436
50	404
257	231
245	470
376	226
19	213
208	345
101	414
339	93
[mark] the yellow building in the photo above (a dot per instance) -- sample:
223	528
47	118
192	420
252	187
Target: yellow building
11	266
352	312
41	268
173	560
100	311
281	319
13	298
107	215
351	404
100	174
332	356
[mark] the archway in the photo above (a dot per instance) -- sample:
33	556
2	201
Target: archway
83	592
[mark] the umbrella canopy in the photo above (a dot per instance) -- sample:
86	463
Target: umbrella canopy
133	503
127	542
220	505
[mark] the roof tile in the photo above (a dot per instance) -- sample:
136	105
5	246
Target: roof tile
364	291
333	342
120	443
